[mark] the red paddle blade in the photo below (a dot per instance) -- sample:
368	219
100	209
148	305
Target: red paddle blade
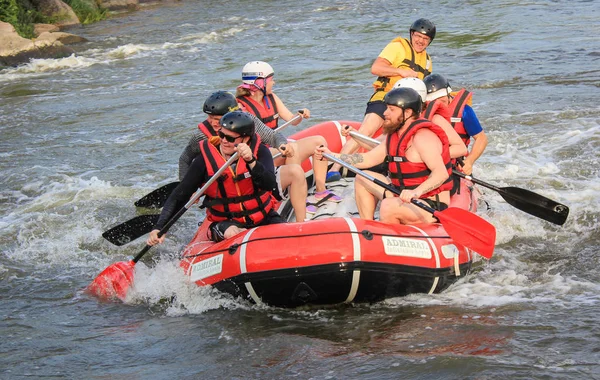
113	282
469	230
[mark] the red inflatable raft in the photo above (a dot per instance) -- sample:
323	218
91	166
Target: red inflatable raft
335	258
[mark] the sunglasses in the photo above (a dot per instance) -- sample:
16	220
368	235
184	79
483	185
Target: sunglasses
228	138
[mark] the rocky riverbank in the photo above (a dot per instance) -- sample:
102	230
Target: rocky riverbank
49	41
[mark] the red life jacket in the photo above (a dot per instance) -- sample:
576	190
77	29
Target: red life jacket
207	129
456	108
436	108
233	196
408	175
267	115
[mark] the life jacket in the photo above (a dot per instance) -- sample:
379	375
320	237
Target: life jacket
436	108
408	175
419	62
207	129
267	115
456	108
233	196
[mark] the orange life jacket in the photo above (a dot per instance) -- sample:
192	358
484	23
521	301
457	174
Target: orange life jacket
456	108
267	115
408	175
233	196
207	129
436	108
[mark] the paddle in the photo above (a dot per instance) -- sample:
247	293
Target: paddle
131	229
525	200
366	139
158	197
137	227
116	278
462	226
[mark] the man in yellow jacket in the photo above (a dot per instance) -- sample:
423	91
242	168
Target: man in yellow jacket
401	58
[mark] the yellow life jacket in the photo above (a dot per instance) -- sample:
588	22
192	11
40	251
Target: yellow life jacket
419	62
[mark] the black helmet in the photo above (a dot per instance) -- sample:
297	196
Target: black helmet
437	86
219	103
424	26
239	122
404	98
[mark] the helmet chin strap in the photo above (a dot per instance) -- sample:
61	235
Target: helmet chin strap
403	119
264	91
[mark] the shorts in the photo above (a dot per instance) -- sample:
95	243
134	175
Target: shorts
436	205
377	107
279	193
217	229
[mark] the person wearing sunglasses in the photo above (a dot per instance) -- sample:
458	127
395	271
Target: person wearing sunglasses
291	180
255	95
241	198
401	58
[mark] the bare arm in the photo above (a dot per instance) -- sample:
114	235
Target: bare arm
457	146
383	68
479	145
365	160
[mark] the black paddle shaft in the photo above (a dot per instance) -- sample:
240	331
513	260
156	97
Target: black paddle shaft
377	181
527	201
189	204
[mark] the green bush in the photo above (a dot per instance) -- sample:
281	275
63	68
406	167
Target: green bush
86	11
20	14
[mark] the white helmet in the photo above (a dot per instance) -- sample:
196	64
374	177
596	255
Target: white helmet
414	83
255	70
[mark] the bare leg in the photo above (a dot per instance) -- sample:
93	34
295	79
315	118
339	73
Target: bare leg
367	195
370	124
393	210
279	160
232	231
292	176
304	148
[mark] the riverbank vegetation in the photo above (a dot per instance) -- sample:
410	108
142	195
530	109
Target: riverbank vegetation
86	12
22	14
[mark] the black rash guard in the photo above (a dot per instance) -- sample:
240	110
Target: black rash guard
263	178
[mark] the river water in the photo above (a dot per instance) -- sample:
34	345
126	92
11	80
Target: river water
85	136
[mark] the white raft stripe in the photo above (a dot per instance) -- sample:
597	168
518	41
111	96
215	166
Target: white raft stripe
436	255
456	264
357	257
243	268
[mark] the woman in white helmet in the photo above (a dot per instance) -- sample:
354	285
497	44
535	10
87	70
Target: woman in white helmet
255	95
